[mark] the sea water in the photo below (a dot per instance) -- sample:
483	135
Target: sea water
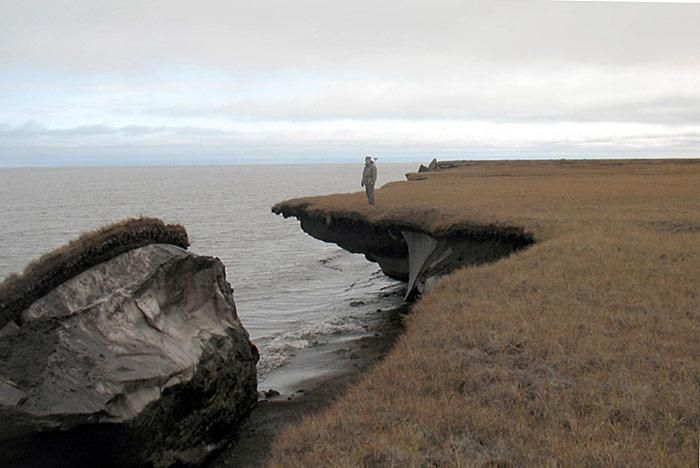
292	291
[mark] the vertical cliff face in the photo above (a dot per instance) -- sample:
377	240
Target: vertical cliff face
140	359
403	250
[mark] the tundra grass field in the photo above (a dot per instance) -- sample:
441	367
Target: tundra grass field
582	350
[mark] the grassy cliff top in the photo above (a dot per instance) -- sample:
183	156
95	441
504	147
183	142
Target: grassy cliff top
546	198
579	351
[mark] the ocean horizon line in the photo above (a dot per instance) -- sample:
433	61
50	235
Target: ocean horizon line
340	162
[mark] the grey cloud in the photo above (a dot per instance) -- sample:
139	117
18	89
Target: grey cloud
32	132
665	110
662	110
32	128
141	130
411	36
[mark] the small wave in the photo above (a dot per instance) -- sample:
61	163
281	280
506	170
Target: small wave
278	350
332	261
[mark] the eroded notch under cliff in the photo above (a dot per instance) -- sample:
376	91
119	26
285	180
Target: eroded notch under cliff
407	252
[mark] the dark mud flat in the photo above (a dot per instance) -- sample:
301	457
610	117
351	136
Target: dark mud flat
297	399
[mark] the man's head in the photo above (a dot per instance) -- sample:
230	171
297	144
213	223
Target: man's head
368	159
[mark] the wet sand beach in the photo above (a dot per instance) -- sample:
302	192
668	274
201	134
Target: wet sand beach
329	370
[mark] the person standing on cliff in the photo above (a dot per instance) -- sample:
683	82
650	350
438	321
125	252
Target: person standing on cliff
369	177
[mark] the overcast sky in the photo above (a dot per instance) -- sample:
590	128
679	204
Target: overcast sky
183	82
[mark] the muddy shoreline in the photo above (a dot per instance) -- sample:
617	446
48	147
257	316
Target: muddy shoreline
252	443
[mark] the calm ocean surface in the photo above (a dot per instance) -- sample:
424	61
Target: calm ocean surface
292	291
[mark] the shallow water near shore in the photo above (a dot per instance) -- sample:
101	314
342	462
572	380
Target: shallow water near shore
292	292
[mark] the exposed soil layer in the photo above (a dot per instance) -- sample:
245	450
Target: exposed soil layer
17	292
139	360
407	251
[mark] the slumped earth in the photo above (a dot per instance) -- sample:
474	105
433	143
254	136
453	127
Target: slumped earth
581	350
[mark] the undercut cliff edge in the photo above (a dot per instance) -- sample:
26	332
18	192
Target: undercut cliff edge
578	351
405	251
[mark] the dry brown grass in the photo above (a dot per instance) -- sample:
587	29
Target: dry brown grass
18	291
583	350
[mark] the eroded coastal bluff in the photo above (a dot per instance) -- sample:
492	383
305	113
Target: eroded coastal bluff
121	349
580	350
405	250
555	323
